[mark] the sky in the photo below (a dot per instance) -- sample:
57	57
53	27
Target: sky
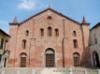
74	9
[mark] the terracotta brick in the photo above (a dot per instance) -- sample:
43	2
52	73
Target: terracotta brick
37	45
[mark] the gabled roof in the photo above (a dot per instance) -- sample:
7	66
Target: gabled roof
98	24
4	33
52	11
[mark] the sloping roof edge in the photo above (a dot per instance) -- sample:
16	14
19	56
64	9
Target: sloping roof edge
98	24
4	33
53	11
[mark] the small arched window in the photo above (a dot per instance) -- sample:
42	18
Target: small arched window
23	59
96	41
76	59
56	32
75	43
27	33
24	43
49	31
42	31
74	33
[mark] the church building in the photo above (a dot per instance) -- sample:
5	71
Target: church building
48	39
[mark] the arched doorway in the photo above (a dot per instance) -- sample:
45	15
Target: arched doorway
76	59
49	57
23	59
96	59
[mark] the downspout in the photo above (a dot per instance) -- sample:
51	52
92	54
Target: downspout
63	49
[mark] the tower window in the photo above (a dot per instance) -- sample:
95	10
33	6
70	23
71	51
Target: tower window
24	44
56	32
75	43
49	31
42	31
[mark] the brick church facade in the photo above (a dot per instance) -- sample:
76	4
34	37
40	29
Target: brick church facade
48	39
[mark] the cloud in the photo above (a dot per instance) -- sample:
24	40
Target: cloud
27	4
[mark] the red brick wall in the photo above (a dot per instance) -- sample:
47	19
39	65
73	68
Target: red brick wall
36	45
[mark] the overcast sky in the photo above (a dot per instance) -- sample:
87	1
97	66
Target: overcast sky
75	9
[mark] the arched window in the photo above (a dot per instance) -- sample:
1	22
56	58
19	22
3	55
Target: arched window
23	59
96	41
75	43
76	59
96	59
27	33
24	43
50	57
2	43
49	31
56	32
42	31
74	33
